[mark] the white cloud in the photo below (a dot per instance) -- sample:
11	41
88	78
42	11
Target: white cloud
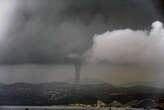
127	46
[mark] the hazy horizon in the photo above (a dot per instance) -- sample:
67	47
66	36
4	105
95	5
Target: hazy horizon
115	75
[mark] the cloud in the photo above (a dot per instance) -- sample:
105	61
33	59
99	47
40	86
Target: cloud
127	46
48	31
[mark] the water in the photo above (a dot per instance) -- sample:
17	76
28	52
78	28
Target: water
62	108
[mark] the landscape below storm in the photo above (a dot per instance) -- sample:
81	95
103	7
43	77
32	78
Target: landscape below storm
64	93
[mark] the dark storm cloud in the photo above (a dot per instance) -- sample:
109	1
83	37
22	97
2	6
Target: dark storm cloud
48	31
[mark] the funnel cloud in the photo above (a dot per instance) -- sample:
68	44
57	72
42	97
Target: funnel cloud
77	63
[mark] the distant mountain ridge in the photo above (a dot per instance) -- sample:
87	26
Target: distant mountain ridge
86	81
143	83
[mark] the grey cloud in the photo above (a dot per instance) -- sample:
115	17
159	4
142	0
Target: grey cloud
48	31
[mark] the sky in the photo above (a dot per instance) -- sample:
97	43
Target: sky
38	37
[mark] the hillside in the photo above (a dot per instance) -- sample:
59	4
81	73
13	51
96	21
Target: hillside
60	93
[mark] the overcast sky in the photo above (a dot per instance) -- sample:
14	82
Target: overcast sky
38	36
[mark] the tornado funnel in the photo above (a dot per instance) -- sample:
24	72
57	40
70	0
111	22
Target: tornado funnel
77	71
77	61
